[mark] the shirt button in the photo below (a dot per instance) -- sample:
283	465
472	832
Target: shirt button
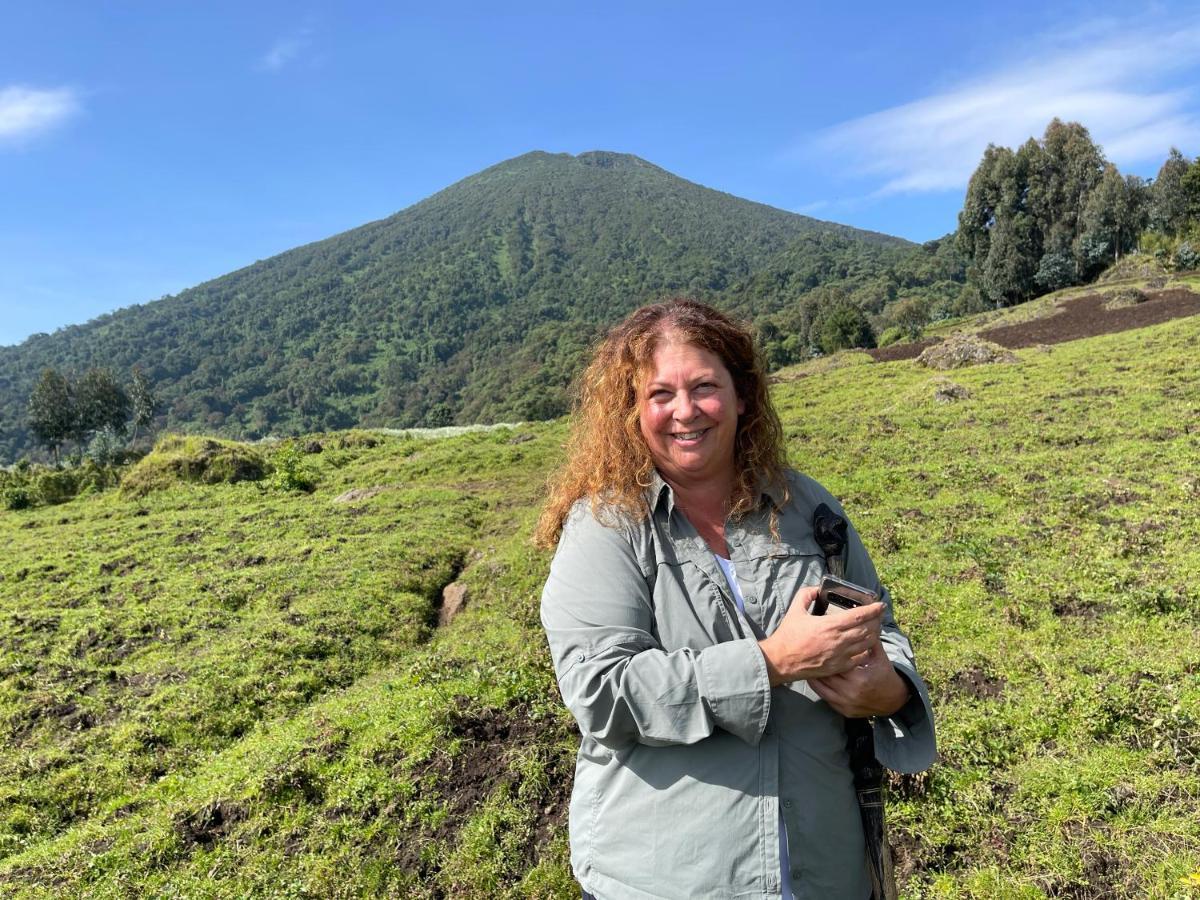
796	874
772	882
579	657
787	804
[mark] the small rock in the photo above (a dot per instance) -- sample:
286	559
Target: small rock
358	494
948	392
454	601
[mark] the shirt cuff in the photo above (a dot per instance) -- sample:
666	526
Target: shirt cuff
905	740
736	686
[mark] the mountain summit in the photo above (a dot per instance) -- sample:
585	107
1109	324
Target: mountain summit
474	304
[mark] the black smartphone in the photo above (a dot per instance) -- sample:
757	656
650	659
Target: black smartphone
841	593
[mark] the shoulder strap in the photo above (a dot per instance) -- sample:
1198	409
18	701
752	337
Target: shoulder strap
830	531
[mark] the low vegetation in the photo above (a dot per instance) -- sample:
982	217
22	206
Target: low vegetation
229	690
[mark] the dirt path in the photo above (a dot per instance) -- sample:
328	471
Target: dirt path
1078	317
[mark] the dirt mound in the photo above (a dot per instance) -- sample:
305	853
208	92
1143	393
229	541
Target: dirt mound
960	350
179	458
1077	317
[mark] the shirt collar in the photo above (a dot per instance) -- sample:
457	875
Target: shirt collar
658	488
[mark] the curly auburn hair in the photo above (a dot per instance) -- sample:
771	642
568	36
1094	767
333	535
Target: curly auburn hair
607	458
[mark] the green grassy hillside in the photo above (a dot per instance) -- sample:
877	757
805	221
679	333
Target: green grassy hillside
231	691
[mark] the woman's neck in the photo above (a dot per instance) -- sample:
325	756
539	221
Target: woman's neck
706	506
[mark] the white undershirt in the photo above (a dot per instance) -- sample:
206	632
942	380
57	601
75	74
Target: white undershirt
727	568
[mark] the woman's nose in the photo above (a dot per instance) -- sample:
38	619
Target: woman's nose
685	409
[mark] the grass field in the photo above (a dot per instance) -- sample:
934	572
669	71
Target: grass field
229	690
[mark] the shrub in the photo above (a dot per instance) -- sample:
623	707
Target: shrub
105	447
288	470
56	485
16	496
1187	256
843	328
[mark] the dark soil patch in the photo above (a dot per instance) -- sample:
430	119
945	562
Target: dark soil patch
1077	317
1075	607
463	782
893	352
977	684
207	825
122	566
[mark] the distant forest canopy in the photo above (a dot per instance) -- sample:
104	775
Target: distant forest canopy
1056	213
479	303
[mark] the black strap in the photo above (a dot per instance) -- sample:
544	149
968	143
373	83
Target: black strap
830	531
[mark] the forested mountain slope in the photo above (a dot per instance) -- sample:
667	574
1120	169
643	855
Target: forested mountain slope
472	305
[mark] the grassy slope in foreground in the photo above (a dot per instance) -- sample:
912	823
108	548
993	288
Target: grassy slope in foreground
222	692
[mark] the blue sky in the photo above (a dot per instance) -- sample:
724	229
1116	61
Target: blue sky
147	146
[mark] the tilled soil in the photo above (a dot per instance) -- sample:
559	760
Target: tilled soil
1078	317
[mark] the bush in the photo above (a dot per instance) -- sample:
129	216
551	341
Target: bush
16	496
288	470
1187	256
843	328
1056	270
56	486
892	336
105	447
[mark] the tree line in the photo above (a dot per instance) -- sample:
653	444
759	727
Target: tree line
1055	213
95	411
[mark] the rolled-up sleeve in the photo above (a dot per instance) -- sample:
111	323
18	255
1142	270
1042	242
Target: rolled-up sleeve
904	741
618	682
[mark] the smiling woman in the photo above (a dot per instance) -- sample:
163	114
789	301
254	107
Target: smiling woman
712	705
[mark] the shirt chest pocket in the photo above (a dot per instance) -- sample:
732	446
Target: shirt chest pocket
690	609
781	569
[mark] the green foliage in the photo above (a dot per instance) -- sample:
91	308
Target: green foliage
1186	256
844	327
142	399
51	410
288	471
16	496
105	447
1169	201
53	486
100	403
1051	214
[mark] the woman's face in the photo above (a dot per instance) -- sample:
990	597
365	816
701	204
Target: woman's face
689	411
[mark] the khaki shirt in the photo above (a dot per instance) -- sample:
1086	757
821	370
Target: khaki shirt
688	754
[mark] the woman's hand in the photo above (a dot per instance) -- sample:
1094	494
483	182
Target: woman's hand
872	688
805	646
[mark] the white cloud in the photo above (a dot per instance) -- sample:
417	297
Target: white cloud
1115	85
286	50
25	112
